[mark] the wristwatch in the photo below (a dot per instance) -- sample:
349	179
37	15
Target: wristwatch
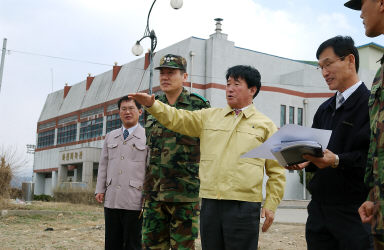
336	163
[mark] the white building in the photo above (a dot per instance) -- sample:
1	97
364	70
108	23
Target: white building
74	120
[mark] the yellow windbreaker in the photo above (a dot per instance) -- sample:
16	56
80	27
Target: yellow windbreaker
224	137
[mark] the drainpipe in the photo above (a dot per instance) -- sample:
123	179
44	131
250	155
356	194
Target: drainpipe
191	54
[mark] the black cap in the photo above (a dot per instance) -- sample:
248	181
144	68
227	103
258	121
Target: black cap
353	4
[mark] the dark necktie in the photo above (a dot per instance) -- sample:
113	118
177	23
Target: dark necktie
237	111
126	133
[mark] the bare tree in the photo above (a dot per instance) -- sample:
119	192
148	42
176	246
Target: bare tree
12	157
5	178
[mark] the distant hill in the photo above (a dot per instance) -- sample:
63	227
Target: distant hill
17	180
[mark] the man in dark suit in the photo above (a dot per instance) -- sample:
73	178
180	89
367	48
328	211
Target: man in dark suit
337	186
120	178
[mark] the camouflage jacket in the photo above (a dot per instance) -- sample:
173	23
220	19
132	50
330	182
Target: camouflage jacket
172	173
374	175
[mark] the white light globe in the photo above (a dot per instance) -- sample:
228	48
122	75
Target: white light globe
176	4
137	49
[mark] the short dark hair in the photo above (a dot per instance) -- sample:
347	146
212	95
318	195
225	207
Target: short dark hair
127	99
248	73
342	46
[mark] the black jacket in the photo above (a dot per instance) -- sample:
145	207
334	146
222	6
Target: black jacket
350	141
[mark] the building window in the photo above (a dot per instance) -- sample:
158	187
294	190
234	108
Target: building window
46	138
66	134
291	115
113	122
67	120
283	115
91	129
300	116
91	112
47	125
112	107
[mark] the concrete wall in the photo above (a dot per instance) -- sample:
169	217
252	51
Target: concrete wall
48	159
39	180
369	57
48	186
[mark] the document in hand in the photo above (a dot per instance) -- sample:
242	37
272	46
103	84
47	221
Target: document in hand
290	153
293	134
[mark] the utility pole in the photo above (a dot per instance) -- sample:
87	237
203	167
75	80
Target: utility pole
2	60
305	104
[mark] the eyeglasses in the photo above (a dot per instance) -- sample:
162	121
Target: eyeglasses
328	63
129	109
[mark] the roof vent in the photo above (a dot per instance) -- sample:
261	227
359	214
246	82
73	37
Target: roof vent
218	24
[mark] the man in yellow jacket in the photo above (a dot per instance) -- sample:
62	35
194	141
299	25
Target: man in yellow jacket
230	186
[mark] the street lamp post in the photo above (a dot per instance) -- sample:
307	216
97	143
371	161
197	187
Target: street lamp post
137	49
2	60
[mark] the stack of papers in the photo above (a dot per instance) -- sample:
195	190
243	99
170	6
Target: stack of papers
290	142
290	153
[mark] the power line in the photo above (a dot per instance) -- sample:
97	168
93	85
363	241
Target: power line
58	57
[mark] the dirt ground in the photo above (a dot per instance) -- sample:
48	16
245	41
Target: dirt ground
68	226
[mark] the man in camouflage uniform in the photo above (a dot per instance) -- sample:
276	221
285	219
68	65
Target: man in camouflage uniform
372	12
171	186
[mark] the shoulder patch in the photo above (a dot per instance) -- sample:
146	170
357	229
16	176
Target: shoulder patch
200	97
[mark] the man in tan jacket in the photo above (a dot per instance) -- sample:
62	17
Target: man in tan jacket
120	178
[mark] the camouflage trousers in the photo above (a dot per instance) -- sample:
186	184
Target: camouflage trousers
378	241
378	221
170	225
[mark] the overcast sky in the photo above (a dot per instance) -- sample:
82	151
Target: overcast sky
105	31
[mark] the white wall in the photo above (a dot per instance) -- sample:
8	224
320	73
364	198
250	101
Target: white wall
39	180
48	186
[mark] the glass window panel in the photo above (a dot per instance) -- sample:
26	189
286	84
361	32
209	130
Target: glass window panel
113	122
66	134
300	116
283	115
91	129
291	115
46	139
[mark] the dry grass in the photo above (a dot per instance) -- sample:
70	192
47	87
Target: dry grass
75	195
55	206
82	227
4	204
63	206
70	227
283	237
